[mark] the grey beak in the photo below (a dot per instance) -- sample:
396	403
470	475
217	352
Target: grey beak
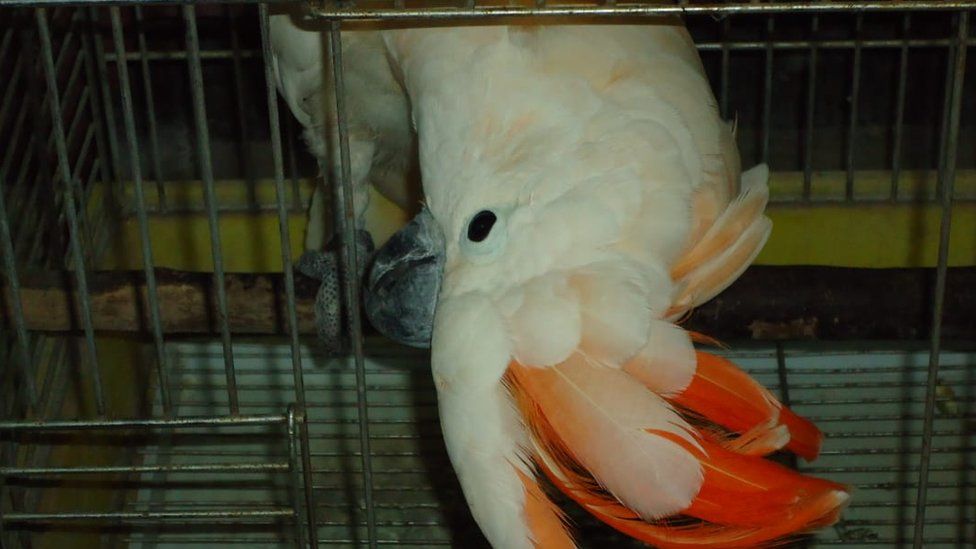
404	280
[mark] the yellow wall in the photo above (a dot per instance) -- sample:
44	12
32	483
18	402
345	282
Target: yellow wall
875	234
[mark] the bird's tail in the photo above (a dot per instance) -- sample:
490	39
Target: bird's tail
586	425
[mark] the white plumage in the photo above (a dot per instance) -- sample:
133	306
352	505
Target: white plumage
608	173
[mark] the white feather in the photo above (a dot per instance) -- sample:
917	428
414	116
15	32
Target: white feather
482	431
666	364
546	328
607	415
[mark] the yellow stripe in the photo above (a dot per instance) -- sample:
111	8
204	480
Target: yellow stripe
875	236
878	234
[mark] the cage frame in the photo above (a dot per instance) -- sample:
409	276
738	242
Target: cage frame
338	15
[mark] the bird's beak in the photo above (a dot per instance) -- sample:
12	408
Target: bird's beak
404	280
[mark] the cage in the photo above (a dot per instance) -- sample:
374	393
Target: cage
161	383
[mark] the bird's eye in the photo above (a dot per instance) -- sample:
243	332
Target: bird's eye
485	235
480	226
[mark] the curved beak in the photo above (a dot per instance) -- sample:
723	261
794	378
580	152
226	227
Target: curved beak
401	290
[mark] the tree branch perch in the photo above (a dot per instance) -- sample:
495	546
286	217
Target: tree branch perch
765	303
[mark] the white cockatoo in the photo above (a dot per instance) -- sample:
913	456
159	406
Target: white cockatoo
581	194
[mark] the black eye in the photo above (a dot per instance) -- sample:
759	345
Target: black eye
481	225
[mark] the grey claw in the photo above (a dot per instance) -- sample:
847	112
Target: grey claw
325	267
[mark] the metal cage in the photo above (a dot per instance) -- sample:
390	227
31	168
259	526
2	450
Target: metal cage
116	117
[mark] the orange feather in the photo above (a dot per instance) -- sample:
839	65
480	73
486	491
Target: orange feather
744	501
726	395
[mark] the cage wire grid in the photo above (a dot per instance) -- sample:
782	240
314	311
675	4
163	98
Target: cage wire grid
73	116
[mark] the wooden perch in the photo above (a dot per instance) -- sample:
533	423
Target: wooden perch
765	303
187	302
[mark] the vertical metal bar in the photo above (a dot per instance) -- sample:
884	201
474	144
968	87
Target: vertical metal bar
284	240
900	107
54	101
958	70
784	387
16	308
206	173
855	99
154	158
239	93
768	90
147	255
3	495
34	98
310	507
286	264
103	80
946	109
350	261
5	108
296	193
8	38
726	62
296	485
96	110
811	106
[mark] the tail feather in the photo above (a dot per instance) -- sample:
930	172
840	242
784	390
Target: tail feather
761	440
546	521
742	490
720	253
765	514
729	397
729	225
604	416
716	389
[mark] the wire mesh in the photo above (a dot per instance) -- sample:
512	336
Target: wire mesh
843	104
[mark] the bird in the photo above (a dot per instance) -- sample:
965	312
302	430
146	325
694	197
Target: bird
581	194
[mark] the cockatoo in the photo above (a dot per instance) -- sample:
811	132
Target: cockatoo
582	194
382	144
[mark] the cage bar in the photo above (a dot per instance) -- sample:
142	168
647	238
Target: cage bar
293	446
334	10
296	359
896	146
767	112
69	207
726	67
145	239
403	506
240	97
855	102
957	70
22	343
147	85
126	517
106	95
346	224
210	197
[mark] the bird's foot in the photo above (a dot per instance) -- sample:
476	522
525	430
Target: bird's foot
330	311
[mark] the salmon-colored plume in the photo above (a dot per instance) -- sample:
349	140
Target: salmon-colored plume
544	518
727	396
738	499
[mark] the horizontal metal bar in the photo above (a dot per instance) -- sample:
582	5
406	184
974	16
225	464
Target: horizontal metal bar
250	540
829	44
100	3
225	54
180	55
335	11
175	468
176	423
126	516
